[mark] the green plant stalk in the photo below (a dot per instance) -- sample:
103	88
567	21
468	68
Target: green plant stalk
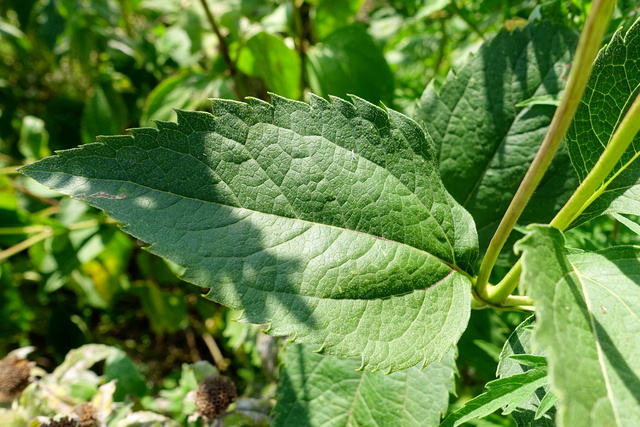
588	47
23	230
592	186
9	170
596	182
44	232
9	252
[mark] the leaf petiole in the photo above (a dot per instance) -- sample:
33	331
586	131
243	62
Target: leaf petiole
588	47
596	182
590	189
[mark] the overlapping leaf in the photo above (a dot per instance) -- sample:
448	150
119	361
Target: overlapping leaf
613	85
486	143
587	307
328	221
327	391
507	392
520	342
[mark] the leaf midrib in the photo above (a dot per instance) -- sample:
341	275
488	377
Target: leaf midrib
452	267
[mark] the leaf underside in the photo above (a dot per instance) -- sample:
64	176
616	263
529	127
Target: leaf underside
327	391
485	143
612	87
326	220
587	307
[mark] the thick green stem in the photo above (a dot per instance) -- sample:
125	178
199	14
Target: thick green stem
588	47
596	181
590	189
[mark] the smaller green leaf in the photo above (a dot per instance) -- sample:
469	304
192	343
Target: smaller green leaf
506	392
485	142
268	57
633	226
530	360
548	401
518	354
34	139
104	114
611	89
186	91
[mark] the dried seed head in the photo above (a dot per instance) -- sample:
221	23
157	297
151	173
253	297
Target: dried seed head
87	415
62	422
214	396
14	376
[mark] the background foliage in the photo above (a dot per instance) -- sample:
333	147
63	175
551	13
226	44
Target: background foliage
76	69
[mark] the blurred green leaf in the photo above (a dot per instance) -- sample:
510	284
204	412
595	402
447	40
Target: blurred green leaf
118	366
187	91
268	57
167	311
348	62
34	139
103	114
331	15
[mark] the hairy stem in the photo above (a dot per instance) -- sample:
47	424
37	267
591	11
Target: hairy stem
588	46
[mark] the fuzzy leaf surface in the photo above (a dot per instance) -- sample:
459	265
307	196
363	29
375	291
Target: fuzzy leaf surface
612	87
485	143
328	391
326	220
587	307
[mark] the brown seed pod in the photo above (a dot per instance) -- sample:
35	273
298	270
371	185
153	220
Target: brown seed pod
14	377
214	396
87	414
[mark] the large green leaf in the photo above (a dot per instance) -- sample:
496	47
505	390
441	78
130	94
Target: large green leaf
328	391
587	307
349	62
613	85
485	142
328	221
